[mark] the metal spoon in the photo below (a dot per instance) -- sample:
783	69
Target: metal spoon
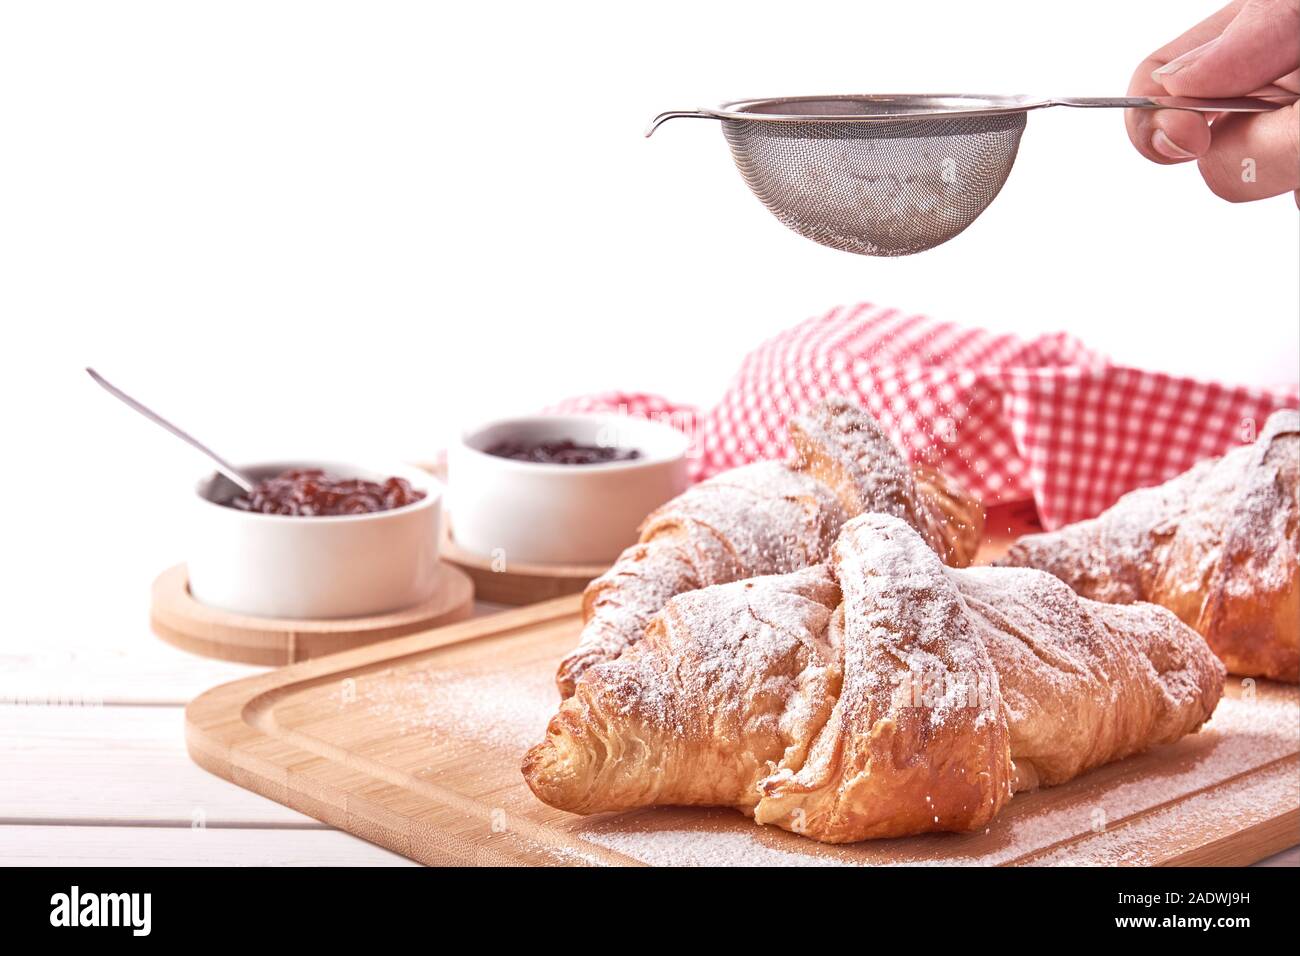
223	466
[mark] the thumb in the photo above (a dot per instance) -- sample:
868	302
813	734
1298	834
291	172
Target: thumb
1260	45
1254	156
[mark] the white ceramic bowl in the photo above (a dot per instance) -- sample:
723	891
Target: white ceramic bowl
315	567
560	514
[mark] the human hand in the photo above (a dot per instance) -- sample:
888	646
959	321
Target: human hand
1250	47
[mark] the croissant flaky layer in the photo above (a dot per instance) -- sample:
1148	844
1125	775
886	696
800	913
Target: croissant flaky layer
882	694
770	518
1219	546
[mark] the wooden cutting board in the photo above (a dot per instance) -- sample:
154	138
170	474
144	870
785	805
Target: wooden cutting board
415	743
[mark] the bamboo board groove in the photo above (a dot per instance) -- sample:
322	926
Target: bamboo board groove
414	744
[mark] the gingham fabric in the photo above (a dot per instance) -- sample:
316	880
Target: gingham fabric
1046	419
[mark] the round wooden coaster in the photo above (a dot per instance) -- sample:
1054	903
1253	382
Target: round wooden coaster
516	584
178	619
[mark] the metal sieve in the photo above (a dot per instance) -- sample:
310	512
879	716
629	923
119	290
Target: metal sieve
894	175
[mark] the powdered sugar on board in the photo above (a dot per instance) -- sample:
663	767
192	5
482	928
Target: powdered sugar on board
689	846
1120	814
1247	803
502	709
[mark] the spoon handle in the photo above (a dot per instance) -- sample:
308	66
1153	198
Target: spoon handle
223	466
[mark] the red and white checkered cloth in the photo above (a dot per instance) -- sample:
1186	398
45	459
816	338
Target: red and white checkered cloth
1046	419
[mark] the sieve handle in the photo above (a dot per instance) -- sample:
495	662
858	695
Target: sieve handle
675	114
1243	104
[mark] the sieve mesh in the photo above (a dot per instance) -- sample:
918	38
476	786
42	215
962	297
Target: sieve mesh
878	188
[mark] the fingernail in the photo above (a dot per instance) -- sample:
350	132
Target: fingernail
1178	62
1167	148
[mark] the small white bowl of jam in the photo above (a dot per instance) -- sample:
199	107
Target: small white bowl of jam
316	540
560	489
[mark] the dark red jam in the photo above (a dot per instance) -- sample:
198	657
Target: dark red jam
561	452
309	492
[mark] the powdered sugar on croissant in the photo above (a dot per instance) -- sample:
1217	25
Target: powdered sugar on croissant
727	682
769	518
881	695
1219	545
699	538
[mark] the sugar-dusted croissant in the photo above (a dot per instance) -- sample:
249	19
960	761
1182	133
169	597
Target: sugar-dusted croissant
880	695
1219	546
770	518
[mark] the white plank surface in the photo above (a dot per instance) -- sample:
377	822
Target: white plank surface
117	764
93	766
115	665
27	845
146	672
1289	857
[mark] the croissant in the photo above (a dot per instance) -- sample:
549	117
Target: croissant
1217	545
770	518
880	695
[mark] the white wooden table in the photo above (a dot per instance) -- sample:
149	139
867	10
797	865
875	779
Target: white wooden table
93	768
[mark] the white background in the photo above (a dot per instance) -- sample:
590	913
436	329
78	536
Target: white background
348	228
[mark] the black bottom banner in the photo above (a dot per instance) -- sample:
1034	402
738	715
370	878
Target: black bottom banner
334	906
